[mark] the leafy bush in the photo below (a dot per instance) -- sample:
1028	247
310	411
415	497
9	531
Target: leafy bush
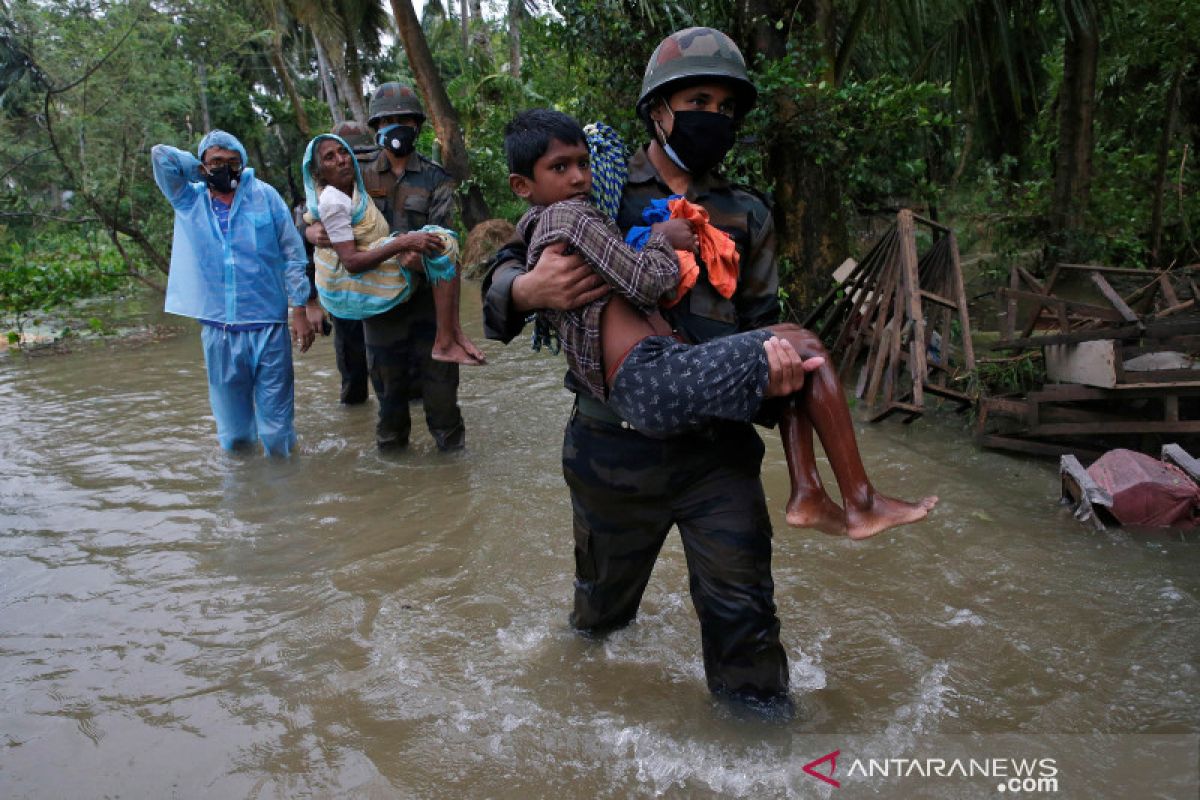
53	272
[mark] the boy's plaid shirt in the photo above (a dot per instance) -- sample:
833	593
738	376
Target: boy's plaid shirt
643	277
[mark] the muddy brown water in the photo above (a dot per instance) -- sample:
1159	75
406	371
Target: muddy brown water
179	622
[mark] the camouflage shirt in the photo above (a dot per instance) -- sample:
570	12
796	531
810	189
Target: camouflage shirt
704	314
423	195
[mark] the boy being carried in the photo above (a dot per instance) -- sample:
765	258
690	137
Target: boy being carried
625	354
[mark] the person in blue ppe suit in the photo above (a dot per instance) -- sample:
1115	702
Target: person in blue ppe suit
237	263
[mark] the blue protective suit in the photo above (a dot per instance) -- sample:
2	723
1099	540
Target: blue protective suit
240	285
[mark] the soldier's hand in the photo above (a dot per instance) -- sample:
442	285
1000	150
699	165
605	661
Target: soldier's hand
786	370
316	235
557	281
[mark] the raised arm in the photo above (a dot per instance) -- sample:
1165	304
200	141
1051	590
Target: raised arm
174	172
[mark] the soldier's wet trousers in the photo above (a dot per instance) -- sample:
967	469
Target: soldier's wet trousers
351	351
399	346
627	490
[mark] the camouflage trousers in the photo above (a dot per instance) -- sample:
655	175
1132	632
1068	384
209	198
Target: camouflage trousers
351	351
399	357
627	490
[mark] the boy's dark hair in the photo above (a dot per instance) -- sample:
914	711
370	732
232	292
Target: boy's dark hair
528	136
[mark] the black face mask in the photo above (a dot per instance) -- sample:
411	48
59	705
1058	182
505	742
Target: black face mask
223	179
699	140
400	139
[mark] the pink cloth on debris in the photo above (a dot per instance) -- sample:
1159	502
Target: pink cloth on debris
1146	491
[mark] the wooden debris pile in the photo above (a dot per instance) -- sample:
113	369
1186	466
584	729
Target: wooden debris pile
1119	347
904	315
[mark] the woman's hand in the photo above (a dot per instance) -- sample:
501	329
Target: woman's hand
420	242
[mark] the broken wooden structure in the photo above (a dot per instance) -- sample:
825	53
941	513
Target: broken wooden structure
903	314
1120	367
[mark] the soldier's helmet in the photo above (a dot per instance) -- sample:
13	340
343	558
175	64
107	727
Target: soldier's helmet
692	55
358	136
394	99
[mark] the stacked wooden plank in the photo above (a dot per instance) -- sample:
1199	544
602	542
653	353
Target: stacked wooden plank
900	318
1120	366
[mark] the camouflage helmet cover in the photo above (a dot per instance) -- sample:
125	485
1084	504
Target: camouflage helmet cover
356	135
394	98
696	53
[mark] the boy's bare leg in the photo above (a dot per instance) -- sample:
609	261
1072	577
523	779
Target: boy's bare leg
451	343
868	512
809	506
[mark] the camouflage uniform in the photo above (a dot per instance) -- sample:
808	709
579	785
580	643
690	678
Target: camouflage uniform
628	489
400	342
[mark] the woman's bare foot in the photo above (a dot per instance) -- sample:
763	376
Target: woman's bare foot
469	346
454	352
818	512
885	512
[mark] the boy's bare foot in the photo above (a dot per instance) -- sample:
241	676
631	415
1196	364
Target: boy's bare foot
453	352
820	513
886	512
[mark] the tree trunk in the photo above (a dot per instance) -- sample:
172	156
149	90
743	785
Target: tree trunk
442	115
353	91
290	88
331	98
1076	109
515	7
202	76
465	19
811	234
1160	174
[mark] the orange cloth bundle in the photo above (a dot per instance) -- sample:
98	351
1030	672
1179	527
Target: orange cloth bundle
717	251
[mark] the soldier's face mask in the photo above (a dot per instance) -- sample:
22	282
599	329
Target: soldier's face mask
223	177
400	139
698	140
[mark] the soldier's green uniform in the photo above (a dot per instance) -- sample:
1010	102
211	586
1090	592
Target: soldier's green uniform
400	342
628	489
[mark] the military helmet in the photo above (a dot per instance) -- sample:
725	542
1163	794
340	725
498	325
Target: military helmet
356	135
696	53
394	99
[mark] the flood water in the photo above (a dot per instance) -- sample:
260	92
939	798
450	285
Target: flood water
180	622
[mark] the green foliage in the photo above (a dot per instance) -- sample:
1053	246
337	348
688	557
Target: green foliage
51	273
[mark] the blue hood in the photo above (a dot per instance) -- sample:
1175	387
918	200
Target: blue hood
225	140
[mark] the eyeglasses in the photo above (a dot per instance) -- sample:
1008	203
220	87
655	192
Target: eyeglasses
217	163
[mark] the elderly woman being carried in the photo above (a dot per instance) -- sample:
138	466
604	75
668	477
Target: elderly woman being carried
366	271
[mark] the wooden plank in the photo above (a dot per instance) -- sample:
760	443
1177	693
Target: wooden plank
1174	454
1168	291
997	442
1115	270
1114	428
911	411
937	298
1162	330
1080	488
1141	376
1031	280
925	221
918	370
964	400
1111	295
958	290
1083	309
1018	409
1047	289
